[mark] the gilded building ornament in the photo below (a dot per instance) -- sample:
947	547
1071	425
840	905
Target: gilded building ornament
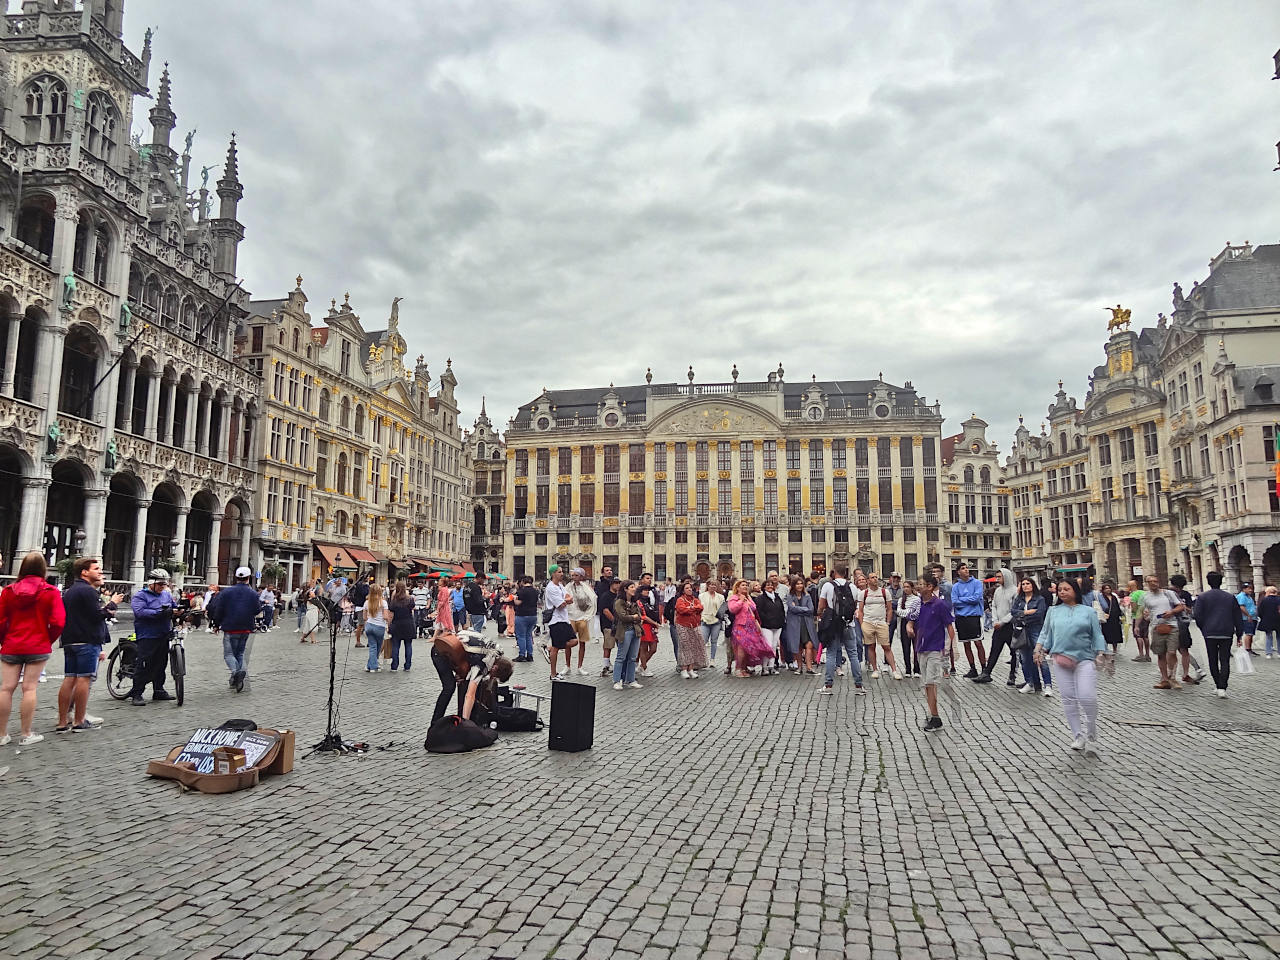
840	472
793	474
770	474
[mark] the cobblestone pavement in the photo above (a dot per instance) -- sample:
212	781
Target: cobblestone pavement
715	818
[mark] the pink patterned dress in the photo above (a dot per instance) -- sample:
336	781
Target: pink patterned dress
444	609
746	631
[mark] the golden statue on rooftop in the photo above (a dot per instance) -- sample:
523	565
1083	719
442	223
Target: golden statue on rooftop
1119	318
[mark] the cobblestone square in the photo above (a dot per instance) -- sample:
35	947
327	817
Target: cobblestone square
714	818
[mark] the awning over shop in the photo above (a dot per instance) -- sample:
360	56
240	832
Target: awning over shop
377	556
364	556
468	567
335	556
1078	568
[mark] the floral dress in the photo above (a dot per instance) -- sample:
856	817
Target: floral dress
746	632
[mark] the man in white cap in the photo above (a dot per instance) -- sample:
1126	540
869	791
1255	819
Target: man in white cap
557	601
234	612
582	610
152	624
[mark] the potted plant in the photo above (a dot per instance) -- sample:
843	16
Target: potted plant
63	568
272	573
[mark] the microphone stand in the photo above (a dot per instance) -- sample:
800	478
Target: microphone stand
332	742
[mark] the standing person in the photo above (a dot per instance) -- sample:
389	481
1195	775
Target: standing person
582	610
444	609
268	600
907	612
376	615
610	630
837	620
1028	613
234	612
1249	612
626	624
508	603
750	646
650	621
1269	619
712	601
1112	617
526	618
1002	599
1160	609
875	610
1140	627
771	611
933	626
152	624
402	626
1072	638
358	594
1178	583
421	606
556	601
83	637
966	603
691	655
474	603
800	636
943	589
32	608
1220	619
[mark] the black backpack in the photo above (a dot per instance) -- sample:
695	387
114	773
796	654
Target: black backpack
840	612
452	734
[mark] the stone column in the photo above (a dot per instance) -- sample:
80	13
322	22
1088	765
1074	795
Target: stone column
127	385
53	338
215	545
95	519
165	432
223	452
255	426
138	569
246	529
11	354
153	406
205	405
180	534
35	499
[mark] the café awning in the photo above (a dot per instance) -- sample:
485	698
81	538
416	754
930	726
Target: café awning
336	556
364	556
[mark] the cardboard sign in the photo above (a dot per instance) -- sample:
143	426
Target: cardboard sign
199	748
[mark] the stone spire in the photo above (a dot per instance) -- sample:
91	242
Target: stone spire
163	120
227	230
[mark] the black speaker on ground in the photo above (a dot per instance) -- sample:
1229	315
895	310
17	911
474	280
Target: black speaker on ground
573	716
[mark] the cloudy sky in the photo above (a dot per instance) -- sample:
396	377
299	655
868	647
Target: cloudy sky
566	193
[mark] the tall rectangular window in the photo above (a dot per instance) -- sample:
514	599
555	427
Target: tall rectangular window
1126	444
970	508
543	499
635	458
748	495
988	511
635	497
724	497
660	457
703	492
587	459
681	464
612	458
586	499
860	452
724	455
816	499
840	496
794	504
1104	450
771	454
522	463
659	497
564	499
838	460
908	496
746	460
564	460
682	499
793	454
1150	439
612	502
701	456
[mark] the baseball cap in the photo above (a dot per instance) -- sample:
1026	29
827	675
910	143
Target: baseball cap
159	574
243	573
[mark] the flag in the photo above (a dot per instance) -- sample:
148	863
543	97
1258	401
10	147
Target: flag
1275	440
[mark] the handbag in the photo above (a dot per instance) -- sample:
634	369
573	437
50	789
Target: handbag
1019	639
1065	662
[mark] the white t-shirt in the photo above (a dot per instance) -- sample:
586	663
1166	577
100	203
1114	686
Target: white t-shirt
828	592
580	594
876	604
556	595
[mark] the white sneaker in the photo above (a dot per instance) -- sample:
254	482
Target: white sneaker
1026	688
617	686
1091	748
1076	744
96	721
1268	656
825	691
646	672
43	679
562	675
635	685
693	674
1222	694
582	671
1048	690
875	674
30	739
4	741
897	675
684	674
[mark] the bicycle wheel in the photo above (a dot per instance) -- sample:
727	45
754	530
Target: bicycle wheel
120	669
177	669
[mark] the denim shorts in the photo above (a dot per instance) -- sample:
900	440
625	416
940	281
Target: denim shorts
23	657
81	660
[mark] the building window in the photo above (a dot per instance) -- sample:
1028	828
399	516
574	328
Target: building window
703	493
794	504
953	508
1206	464
746	460
838	460
724	456
586	499
793	454
660	457
46	110
635	497
770	494
682	499
660	497
970	508
1051	481
748	496
724	496
1150	439
816	504
771	454
1126	445
612	458
988	516
701	456
1104	450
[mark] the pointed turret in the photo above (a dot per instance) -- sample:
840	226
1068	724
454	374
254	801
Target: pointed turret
227	230
163	120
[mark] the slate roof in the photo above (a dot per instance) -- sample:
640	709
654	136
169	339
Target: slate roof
1245	283
840	394
263	308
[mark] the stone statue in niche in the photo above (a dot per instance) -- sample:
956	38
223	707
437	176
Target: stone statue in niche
51	440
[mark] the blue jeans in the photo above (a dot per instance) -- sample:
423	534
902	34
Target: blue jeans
373	637
302	611
1038	677
233	645
675	641
477	622
849	642
268	616
524	635
1272	638
711	634
395	653
625	656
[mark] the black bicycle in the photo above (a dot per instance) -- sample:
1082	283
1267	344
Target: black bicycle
122	665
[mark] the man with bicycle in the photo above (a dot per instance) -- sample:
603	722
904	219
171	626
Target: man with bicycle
152	624
234	611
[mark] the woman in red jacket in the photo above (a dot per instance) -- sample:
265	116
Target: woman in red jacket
31	617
